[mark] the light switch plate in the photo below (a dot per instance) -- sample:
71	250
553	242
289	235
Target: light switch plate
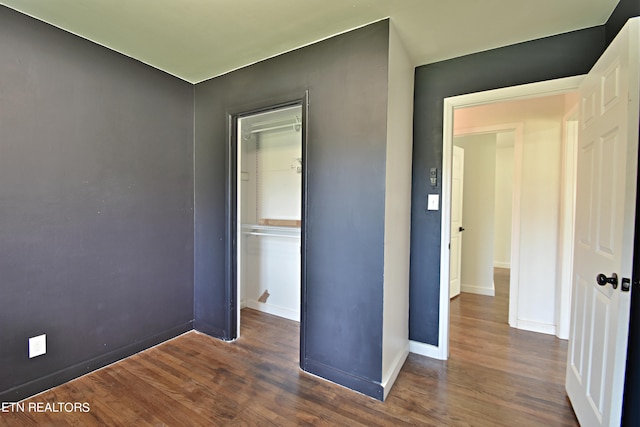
433	202
37	346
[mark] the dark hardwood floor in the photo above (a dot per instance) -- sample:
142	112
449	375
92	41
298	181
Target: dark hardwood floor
496	376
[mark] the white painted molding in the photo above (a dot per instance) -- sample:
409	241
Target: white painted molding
567	215
428	350
445	240
516	197
480	290
531	90
542	328
390	378
274	309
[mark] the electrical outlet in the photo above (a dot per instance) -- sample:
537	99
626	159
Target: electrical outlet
37	346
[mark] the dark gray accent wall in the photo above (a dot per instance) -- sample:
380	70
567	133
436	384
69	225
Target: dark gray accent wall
96	200
630	409
621	14
554	57
346	77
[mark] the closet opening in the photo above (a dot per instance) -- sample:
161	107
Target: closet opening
269	211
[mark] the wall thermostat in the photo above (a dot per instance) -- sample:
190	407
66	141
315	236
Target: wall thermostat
433	176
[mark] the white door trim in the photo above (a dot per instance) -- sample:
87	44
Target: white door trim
567	220
532	90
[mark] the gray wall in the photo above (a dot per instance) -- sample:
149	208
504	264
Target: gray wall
347	81
96	222
621	14
631	409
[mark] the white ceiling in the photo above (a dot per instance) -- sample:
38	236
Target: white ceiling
199	39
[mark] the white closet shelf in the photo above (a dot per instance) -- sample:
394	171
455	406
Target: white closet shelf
271	230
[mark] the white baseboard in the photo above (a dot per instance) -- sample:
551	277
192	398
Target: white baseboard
542	328
480	290
501	264
389	379
562	333
274	309
428	350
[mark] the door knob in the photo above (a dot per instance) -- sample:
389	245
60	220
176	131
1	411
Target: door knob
460	228
603	280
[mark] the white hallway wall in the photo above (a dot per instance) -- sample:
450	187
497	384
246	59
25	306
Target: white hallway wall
397	231
503	199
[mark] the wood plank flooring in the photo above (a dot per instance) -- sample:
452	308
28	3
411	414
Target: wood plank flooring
496	376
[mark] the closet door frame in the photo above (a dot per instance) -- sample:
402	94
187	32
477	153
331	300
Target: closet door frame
231	208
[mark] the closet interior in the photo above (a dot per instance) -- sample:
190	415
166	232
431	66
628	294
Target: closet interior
269	211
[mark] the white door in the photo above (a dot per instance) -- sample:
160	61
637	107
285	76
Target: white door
605	215
457	180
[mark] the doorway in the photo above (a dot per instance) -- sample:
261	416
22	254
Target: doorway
530	91
485	230
267	150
